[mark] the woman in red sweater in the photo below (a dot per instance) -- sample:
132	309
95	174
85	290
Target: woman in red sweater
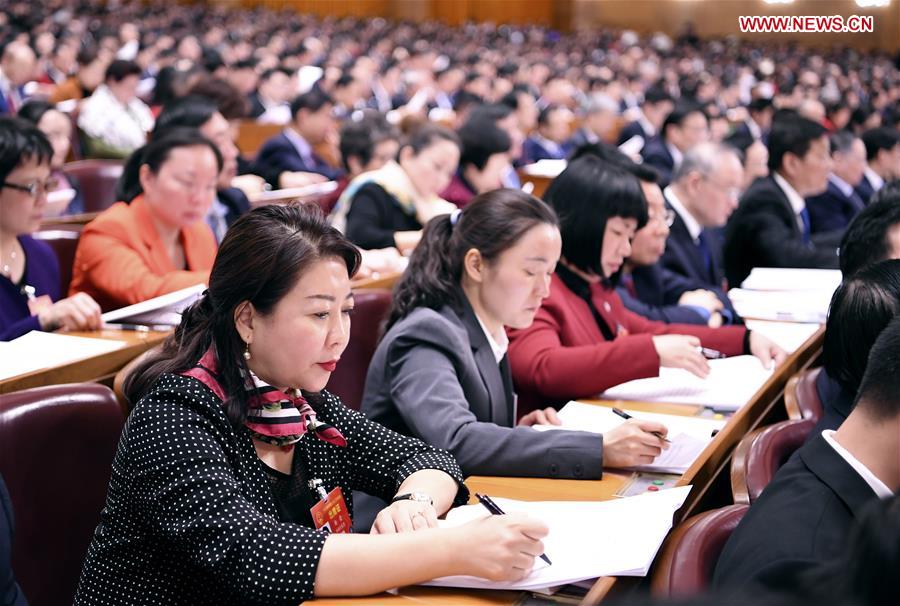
583	339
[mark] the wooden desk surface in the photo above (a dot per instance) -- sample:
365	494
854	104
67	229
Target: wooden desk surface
92	368
381	281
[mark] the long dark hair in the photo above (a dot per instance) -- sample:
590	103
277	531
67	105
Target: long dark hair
491	223
261	258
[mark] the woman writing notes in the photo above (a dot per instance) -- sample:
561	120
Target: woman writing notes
441	371
219	463
29	272
583	340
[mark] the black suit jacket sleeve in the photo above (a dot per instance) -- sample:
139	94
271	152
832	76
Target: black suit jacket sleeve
670	314
10	594
374	217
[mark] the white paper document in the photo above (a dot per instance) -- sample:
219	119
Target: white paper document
730	384
792	279
807	306
586	540
165	310
787	335
548	168
37	350
689	436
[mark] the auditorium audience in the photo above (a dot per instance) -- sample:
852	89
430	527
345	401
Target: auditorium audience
159	242
882	159
803	517
686	126
771	226
583	327
549	142
30	297
836	206
114	120
860	309
17	68
598	122
389	206
87	78
656	105
57	127
484	160
275	318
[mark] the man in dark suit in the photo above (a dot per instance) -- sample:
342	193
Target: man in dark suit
770	227
756	126
599	120
685	127
10	594
549	142
293	149
836	206
657	104
874	234
703	194
270	101
803	517
883	159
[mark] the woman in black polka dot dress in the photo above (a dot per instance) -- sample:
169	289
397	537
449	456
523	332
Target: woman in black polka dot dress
209	500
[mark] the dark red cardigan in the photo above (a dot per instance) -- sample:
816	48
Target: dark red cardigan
563	354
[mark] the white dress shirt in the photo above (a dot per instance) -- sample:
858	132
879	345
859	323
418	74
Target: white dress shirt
499	344
796	200
694	228
878	487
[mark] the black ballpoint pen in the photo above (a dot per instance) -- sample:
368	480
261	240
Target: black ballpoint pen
627	416
495	510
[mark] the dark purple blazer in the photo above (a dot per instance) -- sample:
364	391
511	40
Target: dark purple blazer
41	272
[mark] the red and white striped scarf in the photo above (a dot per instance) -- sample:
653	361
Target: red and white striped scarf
273	416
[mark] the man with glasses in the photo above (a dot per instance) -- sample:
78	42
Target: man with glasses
704	192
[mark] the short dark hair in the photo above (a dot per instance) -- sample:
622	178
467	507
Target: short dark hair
585	196
793	136
877	139
608	153
544	115
34	109
760	104
860	309
481	139
879	391
679	114
358	138
120	69
268	73
261	258
192	111
491	223
21	142
231	103
866	239
313	100
490	111
656	94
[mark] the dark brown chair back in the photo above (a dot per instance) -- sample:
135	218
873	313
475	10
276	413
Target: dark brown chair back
97	179
761	453
801	398
687	559
63	242
349	378
56	449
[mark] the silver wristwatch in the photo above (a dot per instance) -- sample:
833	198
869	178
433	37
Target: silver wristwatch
419	497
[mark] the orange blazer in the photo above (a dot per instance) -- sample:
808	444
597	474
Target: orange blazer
121	260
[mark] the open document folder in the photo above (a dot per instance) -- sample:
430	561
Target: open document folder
164	310
587	539
730	384
688	436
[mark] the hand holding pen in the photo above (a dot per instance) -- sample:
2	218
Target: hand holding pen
496	511
634	442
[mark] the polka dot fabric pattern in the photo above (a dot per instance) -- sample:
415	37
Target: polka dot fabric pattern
190	517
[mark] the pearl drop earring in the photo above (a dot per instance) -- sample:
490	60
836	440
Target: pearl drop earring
247	355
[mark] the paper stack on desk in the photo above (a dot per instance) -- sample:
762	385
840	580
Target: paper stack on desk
587	539
164	310
786	294
689	436
730	384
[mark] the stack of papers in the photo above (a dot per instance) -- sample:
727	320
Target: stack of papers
787	335
786	294
163	311
38	350
587	539
730	384
689	436
547	168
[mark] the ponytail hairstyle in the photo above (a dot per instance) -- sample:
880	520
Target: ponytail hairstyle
491	223
263	255
155	154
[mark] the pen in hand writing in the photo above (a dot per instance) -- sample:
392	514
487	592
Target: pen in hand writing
627	416
495	510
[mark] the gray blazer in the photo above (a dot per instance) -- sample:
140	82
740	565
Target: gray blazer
435	377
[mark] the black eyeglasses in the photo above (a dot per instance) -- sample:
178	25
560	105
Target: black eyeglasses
35	187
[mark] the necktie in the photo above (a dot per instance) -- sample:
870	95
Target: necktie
807	232
705	252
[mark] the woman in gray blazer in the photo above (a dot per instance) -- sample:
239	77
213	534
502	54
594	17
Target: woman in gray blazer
441	372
